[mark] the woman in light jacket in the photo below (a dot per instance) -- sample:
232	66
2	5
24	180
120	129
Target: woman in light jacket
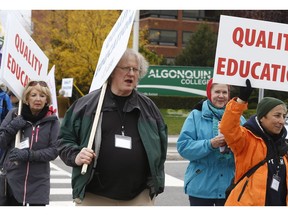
27	166
210	169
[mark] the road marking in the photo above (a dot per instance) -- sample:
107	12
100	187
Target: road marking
59	191
176	161
60	180
171	181
58	170
61	203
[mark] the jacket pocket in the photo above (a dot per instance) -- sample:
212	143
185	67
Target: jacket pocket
242	190
193	174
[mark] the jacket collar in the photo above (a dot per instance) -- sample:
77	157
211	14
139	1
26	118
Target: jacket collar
131	103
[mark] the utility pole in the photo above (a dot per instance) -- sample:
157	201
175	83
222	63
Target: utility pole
260	95
136	31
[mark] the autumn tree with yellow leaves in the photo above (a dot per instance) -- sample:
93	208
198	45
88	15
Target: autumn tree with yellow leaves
72	40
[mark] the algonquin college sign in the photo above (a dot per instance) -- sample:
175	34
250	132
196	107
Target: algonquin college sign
175	81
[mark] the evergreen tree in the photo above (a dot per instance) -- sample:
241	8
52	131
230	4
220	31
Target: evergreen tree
200	50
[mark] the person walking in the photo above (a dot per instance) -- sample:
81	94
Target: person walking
126	163
14	100
261	138
211	164
5	106
5	102
63	104
28	165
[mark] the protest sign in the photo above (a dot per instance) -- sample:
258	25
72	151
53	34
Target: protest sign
52	86
67	85
253	49
22	59
113	48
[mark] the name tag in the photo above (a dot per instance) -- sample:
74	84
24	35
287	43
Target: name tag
122	141
24	143
275	182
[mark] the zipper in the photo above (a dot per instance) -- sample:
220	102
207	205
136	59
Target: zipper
242	191
28	166
37	133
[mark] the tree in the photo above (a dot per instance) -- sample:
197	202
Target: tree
72	40
200	50
152	57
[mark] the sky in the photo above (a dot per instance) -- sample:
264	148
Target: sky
144	4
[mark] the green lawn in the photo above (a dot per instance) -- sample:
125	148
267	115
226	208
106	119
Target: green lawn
174	119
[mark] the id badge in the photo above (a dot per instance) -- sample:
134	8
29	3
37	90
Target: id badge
24	143
275	182
122	141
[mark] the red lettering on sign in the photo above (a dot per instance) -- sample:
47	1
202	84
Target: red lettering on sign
221	64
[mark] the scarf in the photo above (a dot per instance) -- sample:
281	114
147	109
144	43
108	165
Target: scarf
217	114
28	116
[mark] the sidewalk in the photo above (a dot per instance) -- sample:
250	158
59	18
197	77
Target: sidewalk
172	153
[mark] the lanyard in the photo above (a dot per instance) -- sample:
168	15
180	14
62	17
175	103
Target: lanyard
122	116
120	101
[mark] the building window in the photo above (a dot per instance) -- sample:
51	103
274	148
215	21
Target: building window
168	14
193	14
186	36
163	37
170	60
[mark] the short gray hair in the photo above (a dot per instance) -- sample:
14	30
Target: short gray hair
142	62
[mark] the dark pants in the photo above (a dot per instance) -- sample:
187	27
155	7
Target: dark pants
194	201
11	201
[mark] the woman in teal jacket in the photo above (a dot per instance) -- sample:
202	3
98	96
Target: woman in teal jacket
211	165
126	164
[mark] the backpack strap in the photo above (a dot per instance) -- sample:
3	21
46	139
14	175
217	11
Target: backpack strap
254	168
248	174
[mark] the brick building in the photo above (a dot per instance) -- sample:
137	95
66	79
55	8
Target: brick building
170	30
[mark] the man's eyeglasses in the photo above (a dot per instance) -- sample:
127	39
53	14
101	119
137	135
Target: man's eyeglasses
128	69
41	83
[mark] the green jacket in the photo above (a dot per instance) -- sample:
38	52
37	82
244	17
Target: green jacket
77	124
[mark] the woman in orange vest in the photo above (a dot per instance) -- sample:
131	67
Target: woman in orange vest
263	135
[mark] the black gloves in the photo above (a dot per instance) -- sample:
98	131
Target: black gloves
25	154
19	154
245	92
15	125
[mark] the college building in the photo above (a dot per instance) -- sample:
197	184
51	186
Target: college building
170	30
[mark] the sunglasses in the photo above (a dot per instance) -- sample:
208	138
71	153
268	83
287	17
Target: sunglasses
41	83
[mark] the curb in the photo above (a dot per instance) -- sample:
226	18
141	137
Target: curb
172	153
173	156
